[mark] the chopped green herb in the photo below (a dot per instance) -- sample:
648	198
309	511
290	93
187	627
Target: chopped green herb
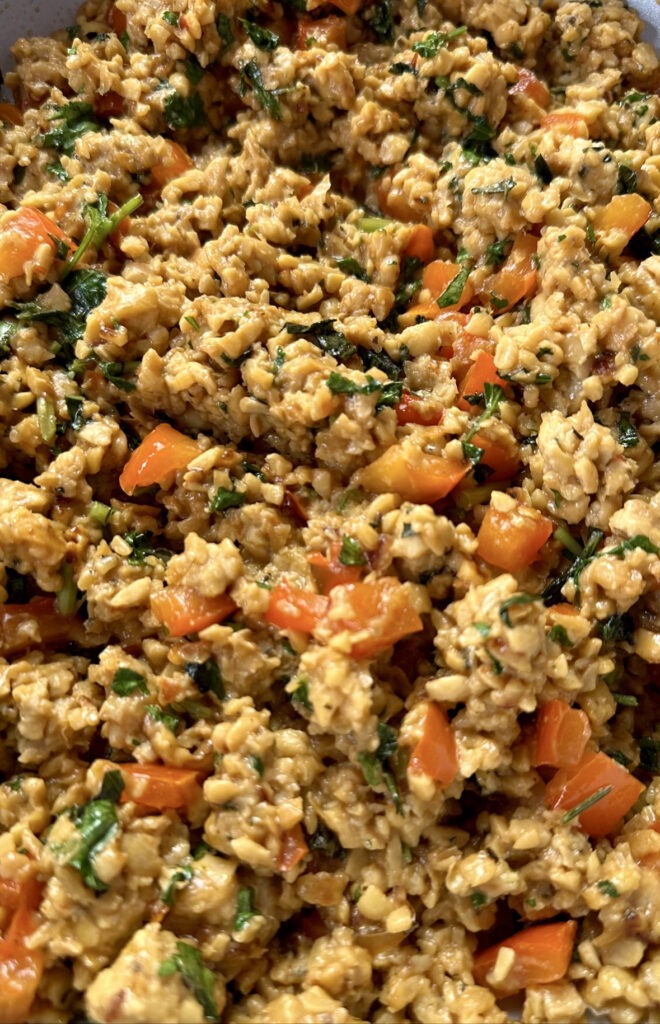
511	602
99	513
112	786
127	681
628	436
579	809
262	38
184	111
608	888
194	70
256	763
542	169
251	78
96	823
373	764
140	543
223	25
382	20
193	323
626	179
187	961
171	18
301	696
493	397
558	635
553	591
637	356
371	223
372	358
170	720
324	840
324	336
496	252
351	552
100	225
649	753
57	171
206	677
617	628
454	289
590	235
436	41
482	628
497	188
201	850
67	596
245	909
76	119
390	391
183	874
619	757
224	499
401	68
478	899
626	700
351	266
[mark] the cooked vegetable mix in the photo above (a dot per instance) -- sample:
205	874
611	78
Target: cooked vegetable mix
329	515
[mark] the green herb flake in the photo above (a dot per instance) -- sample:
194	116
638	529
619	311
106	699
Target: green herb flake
223	25
371	223
350	266
96	823
608	888
497	188
206	677
482	628
401	68
256	763
496	252
558	635
181	875
46	418
57	171
99	513
382	20
542	169
627	435
74	119
301	696
171	18
452	293
251	78
626	700
184	111
170	720
262	38
649	754
193	70
126	681
224	499
100	224
436	41
187	961
580	808
324	336
245	909
478	899
351	552
626	180
511	602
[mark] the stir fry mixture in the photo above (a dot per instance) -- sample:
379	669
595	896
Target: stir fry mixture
329	515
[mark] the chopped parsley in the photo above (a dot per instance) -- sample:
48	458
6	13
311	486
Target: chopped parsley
126	681
497	188
245	909
187	961
225	498
649	753
206	676
626	179
100	224
171	18
96	823
436	41
184	111
454	289
142	547
374	764
382	20
558	635
390	391
181	875
627	435
74	119
223	25
262	38
251	78
608	888
497	252
164	717
511	602
542	169
351	552
324	336
493	397
351	266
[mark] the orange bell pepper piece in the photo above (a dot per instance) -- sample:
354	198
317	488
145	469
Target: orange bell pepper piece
413	474
594	776
10	114
420	245
182	610
628	213
408	410
503	462
21	969
437	277
543	954
293	849
174	165
22	235
512	540
569	121
325	31
529	85
517	277
435	753
383	608
292	608
159	786
561	735
481	371
117	20
162	453
329	572
52	626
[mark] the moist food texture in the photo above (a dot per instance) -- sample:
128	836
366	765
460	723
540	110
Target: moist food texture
330	515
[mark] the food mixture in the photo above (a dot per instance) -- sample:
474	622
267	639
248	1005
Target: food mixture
329	519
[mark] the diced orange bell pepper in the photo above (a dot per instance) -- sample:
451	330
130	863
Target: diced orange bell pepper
512	540
529	85
413	474
293	849
157	460
408	410
382	607
10	114
481	371
561	735
437	277
420	245
175	164
22	235
328	570
117	20
292	608
543	954
595	773
182	610
324	32
627	213
21	969
503	461
568	121
517	277
159	786
435	753
52	626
